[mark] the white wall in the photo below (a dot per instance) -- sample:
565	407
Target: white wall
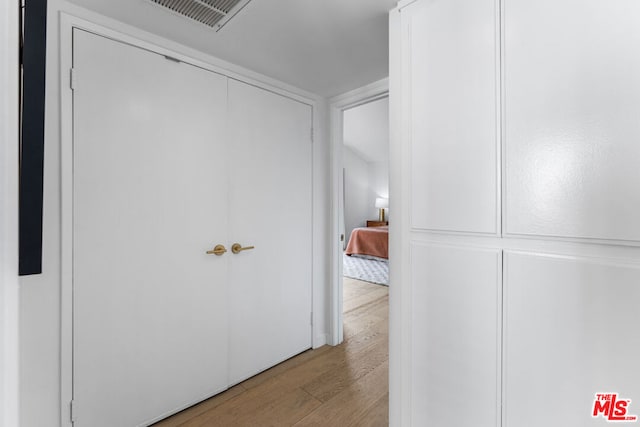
378	185
45	368
9	390
40	332
357	191
365	160
363	183
366	129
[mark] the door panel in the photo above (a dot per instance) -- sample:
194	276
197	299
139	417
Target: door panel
453	124
570	327
270	197
572	98
456	337
150	196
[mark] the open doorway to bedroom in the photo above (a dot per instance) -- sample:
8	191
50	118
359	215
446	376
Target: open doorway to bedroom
365	166
360	160
360	279
365	216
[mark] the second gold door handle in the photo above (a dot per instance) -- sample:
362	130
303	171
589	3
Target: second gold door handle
236	248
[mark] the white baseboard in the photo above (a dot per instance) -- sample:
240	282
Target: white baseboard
319	340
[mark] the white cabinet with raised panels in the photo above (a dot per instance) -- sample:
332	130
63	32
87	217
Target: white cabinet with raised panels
516	246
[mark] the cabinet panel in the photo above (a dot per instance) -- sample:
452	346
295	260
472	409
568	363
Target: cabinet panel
455	356
452	59
572	98
570	332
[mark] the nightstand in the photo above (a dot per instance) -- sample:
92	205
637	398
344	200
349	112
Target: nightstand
376	223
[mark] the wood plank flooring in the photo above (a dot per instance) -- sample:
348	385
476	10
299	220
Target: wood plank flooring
346	385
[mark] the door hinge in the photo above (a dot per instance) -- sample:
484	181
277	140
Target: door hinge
72	417
311	318
72	78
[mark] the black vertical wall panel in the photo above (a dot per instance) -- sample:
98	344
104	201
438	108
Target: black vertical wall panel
32	143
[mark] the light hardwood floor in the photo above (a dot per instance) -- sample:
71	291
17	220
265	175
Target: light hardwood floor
346	385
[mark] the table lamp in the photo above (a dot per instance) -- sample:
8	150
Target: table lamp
382	203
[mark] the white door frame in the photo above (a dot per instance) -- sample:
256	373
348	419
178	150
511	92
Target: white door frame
9	130
337	105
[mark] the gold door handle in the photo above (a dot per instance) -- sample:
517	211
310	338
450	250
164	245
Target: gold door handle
218	250
237	248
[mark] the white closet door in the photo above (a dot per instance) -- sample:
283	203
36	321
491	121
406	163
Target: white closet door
447	181
150	196
270	198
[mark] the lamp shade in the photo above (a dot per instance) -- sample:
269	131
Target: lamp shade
382	202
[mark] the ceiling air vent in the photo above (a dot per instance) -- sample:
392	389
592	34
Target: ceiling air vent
213	13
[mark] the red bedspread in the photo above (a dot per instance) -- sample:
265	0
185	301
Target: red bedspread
372	241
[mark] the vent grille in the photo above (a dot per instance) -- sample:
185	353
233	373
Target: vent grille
212	13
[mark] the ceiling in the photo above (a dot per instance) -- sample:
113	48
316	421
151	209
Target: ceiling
366	130
326	47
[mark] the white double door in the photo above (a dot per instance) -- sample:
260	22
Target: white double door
169	161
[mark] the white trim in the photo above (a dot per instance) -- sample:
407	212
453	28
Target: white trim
319	340
540	245
9	296
70	16
404	3
400	307
66	222
362	95
337	105
130	35
320	223
500	84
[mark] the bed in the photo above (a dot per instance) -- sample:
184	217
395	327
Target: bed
369	241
